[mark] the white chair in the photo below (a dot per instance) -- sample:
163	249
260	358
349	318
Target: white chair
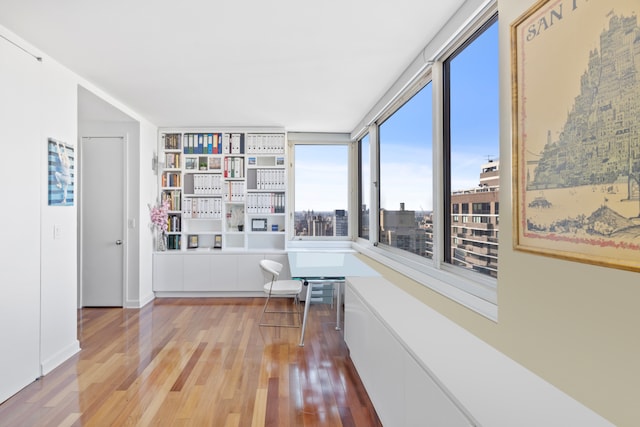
280	288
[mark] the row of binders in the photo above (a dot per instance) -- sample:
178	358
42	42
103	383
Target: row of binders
234	191
233	167
213	143
171	179
202	207
268	143
270	179
265	203
207	184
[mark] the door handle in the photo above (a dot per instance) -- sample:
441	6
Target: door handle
118	242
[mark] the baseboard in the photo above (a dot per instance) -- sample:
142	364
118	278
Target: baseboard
139	303
60	357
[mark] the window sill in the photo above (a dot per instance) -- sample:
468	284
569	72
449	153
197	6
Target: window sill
449	284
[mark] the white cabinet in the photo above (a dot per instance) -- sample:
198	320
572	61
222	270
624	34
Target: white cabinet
250	277
210	272
224	272
425	403
401	390
168	272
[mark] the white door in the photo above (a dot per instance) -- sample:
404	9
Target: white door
102	221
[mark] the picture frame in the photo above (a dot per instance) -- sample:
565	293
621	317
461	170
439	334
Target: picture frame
258	224
190	163
576	162
217	241
192	241
60	173
215	163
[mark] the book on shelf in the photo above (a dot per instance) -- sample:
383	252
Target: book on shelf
172	160
174	197
171	141
174	223
171	179
173	242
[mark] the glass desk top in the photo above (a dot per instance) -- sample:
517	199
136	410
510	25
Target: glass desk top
308	265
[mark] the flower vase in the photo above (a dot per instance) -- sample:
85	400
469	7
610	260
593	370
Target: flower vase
161	242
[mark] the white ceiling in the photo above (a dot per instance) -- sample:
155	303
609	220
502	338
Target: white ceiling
315	67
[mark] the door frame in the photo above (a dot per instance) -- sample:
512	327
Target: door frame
125	209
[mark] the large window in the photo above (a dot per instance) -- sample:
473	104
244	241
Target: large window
438	171
472	144
321	190
406	202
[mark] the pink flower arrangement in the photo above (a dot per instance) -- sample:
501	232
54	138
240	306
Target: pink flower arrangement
160	215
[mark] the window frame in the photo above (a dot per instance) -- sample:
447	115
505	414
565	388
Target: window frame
360	185
321	139
471	289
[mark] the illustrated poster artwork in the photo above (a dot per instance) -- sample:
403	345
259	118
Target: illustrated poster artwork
61	173
576	83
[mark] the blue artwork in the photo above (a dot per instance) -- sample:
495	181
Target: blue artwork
61	173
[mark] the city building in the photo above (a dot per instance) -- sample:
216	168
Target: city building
475	223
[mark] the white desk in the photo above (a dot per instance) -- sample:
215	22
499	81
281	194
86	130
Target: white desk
329	266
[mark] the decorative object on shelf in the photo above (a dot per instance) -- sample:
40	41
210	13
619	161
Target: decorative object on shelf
217	241
235	217
258	224
192	242
160	221
161	241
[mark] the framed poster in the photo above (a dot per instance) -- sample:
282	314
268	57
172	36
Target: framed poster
576	133
60	173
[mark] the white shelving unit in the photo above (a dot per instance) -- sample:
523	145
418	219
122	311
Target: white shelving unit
228	189
228	195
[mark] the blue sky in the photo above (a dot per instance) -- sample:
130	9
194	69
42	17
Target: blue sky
406	136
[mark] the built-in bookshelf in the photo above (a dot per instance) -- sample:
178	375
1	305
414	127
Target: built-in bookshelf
227	189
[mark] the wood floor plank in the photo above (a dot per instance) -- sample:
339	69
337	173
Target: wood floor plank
197	362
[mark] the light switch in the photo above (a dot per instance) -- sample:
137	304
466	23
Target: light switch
57	231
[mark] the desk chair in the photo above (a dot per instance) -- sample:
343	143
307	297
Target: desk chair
280	288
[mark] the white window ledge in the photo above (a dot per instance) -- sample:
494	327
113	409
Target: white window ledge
476	295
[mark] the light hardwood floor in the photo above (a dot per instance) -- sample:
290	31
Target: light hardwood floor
197	362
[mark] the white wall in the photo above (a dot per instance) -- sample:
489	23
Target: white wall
58	105
38	273
21	145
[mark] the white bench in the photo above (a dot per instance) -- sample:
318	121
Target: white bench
421	369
